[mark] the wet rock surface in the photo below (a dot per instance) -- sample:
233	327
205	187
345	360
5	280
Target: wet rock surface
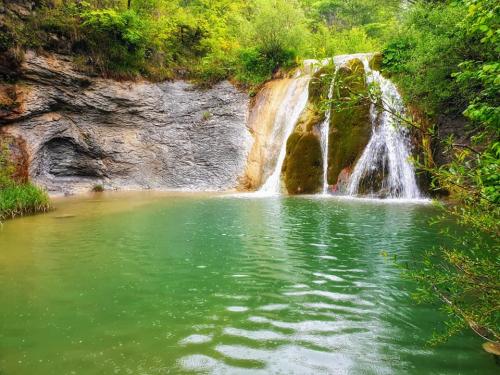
350	127
303	167
80	131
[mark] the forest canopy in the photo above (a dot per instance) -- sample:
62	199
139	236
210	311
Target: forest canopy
206	40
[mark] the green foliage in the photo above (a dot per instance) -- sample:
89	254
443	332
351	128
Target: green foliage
204	40
6	166
23	199
258	66
480	74
446	59
116	40
425	53
17	199
272	38
98	188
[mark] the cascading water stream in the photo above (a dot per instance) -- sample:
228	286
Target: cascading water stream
286	118
384	168
324	132
388	151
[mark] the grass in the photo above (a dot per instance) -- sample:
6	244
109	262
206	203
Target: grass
22	199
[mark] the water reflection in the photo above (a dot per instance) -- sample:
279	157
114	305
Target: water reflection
219	285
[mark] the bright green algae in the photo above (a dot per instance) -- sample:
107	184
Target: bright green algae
186	284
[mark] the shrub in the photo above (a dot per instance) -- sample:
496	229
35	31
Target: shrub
18	199
425	54
258	65
97	188
117	41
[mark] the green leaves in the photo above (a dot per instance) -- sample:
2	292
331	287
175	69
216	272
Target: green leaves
117	39
446	60
17	198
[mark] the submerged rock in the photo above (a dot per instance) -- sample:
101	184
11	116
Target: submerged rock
81	131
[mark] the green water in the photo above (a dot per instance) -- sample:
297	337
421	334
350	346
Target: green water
152	284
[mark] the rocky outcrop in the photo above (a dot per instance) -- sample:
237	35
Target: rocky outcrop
350	126
303	167
81	131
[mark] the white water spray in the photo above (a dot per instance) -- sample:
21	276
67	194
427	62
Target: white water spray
324	132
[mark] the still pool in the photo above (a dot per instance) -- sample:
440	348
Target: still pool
149	283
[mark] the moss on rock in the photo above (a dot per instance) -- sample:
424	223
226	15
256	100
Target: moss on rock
376	61
303	168
320	85
309	119
350	127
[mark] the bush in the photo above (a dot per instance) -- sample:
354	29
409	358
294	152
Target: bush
425	54
18	199
258	66
117	41
97	188
272	39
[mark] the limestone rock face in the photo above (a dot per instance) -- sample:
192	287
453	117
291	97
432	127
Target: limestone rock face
80	131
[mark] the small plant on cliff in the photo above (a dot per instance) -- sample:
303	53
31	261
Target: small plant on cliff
97	188
17	199
206	116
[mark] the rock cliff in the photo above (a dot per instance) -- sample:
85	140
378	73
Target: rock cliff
80	131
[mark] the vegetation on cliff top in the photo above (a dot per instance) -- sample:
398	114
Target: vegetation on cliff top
205	40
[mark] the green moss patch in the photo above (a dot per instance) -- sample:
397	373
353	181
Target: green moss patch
303	168
350	126
376	62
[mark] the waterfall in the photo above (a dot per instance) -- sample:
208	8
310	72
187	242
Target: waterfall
286	118
383	169
324	133
388	151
